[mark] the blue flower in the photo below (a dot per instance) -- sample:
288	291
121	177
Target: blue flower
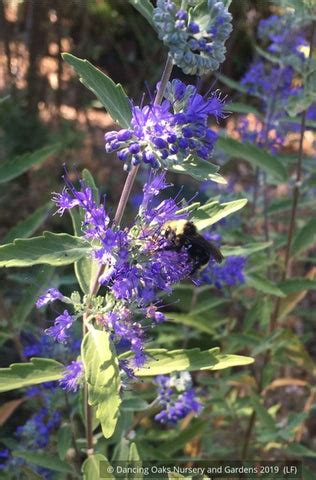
274	83
282	34
166	134
4	457
196	37
131	332
270	136
72	377
38	347
138	263
230	273
59	331
95	221
177	397
50	296
35	433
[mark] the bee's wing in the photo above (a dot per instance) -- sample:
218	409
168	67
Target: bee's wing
209	247
215	252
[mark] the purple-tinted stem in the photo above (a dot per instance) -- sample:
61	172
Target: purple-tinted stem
129	182
133	172
164	80
130	179
295	198
275	315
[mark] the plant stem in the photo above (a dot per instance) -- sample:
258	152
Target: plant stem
87	407
275	315
129	182
164	80
271	104
130	179
251	424
295	199
72	429
255	192
265	209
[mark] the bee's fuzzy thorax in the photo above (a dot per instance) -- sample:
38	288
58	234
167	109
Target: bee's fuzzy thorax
177	226
184	234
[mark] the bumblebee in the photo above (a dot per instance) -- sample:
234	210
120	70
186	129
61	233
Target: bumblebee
184	234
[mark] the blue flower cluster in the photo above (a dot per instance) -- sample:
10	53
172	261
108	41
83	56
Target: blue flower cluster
264	81
282	35
275	83
137	266
287	44
45	347
73	373
165	135
177	398
36	431
4	457
230	273
72	376
195	36
254	131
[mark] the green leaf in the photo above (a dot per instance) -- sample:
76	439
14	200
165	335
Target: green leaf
96	467
4	99
30	474
245	250
199	169
207	305
134	404
305	238
299	450
263	285
32	292
134	459
268	56
45	460
102	375
297	122
231	83
162	362
300	102
20	164
189	319
307	473
133	455
64	440
254	155
51	248
145	8
293	285
86	268
283	204
111	95
244	108
213	212
264	416
89	181
27	227
170	447
38	370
